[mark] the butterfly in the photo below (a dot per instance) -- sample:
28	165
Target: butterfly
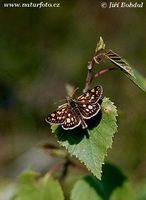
75	111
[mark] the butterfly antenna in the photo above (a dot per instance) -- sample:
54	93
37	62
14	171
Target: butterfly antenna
59	101
74	91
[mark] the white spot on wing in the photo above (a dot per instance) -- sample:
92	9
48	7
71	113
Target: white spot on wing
90	107
68	120
87	95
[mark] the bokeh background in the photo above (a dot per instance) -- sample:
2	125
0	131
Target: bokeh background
41	50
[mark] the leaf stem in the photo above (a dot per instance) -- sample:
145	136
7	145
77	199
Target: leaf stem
104	71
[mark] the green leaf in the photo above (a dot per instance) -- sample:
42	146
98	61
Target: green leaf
100	45
112	178
50	189
26	188
119	62
113	186
86	189
28	177
123	193
141	191
42	189
54	127
138	79
90	145
131	73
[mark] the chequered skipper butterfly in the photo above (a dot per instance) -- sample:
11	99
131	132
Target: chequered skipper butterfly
75	111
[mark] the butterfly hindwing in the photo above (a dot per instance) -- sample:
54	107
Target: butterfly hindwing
88	110
72	120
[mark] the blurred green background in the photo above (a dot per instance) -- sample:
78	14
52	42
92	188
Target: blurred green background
43	49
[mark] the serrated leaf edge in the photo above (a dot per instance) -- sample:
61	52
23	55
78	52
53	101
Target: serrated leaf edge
72	152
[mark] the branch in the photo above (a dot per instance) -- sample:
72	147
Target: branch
56	167
97	58
64	167
104	71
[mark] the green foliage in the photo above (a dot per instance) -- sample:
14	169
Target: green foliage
141	191
123	193
130	72
87	189
42	189
90	146
138	79
113	186
100	45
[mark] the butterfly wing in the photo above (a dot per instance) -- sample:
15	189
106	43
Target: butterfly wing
87	102
58	116
72	120
88	110
65	116
91	96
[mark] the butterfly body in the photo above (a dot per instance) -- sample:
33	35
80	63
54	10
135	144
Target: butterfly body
73	104
75	111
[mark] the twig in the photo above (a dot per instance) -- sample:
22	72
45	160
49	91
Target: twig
97	58
104	71
56	167
65	169
88	80
64	166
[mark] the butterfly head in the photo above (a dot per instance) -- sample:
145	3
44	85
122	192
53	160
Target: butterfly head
69	99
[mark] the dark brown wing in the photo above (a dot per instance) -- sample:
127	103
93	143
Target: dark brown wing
88	110
91	96
72	120
58	116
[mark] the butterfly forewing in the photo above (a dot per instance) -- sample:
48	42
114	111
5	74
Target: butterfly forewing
91	96
58	116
